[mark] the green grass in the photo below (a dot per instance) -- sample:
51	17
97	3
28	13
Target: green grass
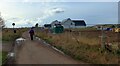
0	58
3	56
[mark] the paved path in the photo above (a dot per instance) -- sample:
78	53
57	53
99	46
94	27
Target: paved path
34	52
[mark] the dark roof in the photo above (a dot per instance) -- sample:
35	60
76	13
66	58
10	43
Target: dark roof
63	21
79	22
55	22
47	25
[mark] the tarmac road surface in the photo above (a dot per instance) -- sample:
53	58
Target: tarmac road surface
34	52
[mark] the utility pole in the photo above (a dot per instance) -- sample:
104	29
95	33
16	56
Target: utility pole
13	27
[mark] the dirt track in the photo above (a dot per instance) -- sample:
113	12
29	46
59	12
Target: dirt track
33	52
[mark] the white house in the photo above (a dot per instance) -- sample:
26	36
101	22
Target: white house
55	23
68	23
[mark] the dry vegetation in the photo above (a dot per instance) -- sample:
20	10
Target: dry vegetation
84	45
0	36
8	36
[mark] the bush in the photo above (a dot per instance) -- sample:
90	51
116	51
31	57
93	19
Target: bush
118	52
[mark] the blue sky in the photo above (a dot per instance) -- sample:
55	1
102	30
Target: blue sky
29	13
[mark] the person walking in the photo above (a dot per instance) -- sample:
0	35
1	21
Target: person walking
31	32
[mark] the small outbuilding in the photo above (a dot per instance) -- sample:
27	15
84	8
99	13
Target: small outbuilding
47	26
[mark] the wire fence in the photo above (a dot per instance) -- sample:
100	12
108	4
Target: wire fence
107	39
85	43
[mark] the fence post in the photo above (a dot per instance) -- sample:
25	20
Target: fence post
102	38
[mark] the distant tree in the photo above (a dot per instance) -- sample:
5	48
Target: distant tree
36	25
2	22
113	26
118	26
13	24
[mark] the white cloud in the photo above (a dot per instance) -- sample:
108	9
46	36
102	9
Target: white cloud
49	12
52	11
32	21
57	10
20	17
19	22
40	13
